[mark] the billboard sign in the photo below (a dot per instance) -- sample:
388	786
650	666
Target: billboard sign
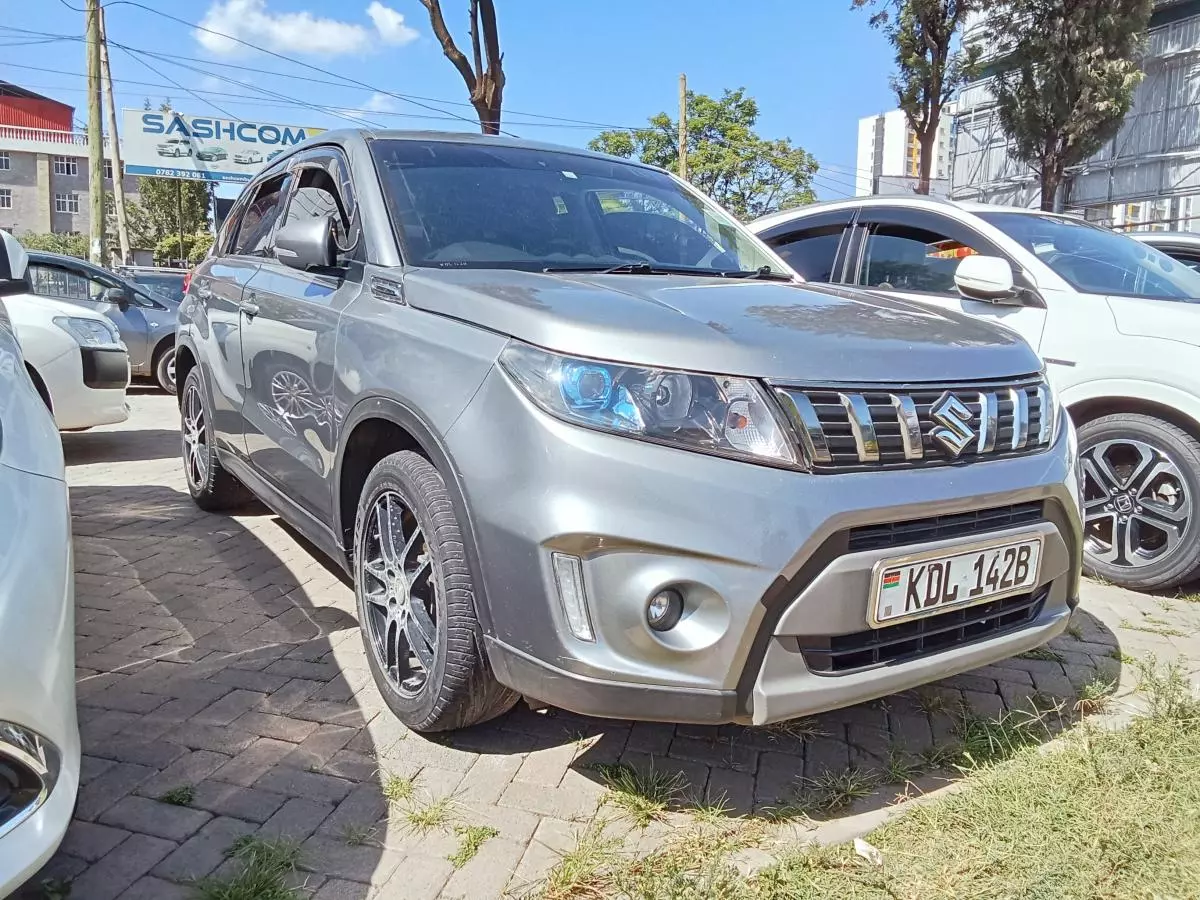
202	148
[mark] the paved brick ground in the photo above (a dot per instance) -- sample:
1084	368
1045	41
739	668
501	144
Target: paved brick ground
218	653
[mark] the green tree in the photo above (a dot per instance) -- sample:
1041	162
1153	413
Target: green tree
160	200
929	70
67	243
747	174
1069	70
195	246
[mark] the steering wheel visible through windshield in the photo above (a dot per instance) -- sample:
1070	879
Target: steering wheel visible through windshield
1098	261
477	205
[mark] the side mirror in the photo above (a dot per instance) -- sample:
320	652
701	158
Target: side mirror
987	278
117	297
13	260
307	244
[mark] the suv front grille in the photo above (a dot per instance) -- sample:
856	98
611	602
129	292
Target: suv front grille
844	653
873	427
936	528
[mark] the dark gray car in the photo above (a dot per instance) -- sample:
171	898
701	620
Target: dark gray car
146	319
576	438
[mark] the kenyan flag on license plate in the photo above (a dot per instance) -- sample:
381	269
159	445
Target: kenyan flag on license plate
891	580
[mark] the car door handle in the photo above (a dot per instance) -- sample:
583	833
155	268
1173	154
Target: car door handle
250	308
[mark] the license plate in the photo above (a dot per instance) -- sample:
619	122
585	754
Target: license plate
928	583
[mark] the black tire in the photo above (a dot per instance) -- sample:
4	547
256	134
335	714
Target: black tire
211	487
459	688
1161	552
164	370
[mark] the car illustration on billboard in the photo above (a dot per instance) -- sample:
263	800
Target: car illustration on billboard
248	157
175	147
212	154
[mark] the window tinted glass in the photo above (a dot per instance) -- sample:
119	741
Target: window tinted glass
811	253
63	284
1099	261
461	205
911	259
317	197
167	285
254	230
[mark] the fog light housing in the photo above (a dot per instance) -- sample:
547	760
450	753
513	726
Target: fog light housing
664	610
568	579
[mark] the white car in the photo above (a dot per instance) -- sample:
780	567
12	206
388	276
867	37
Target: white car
1116	322
73	355
248	157
39	735
174	147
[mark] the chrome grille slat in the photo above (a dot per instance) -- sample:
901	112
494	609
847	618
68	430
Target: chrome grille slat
856	427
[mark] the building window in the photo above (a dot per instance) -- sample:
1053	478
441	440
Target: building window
66	165
66	203
5	198
108	169
5	161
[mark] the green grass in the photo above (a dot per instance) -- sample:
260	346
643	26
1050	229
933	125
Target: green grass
54	889
1044	653
1095	696
582	865
642	795
939	756
470	839
265	866
1122	657
986	741
358	835
183	795
899	767
932	703
796	729
397	789
1152	628
1075	631
428	816
831	792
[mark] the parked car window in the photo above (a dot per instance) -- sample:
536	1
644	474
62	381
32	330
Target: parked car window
1098	261
64	284
458	205
169	285
315	197
254	230
903	258
811	253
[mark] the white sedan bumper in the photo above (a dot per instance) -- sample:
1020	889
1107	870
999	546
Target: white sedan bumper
39	734
77	404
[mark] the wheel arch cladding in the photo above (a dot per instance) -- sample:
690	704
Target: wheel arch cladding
1089	410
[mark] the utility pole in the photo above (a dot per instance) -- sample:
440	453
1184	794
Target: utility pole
95	134
179	206
683	126
115	154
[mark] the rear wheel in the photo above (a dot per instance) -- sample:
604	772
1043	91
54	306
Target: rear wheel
211	487
1141	484
416	601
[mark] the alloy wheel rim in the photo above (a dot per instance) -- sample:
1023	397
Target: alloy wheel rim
398	585
195	439
1136	506
171	368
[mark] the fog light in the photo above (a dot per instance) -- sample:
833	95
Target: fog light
568	578
664	610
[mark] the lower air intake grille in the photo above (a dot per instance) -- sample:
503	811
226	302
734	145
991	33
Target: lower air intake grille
936	528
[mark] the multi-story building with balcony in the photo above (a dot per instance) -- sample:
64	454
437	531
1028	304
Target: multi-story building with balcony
889	155
1148	176
44	184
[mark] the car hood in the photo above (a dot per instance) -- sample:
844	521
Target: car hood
27	306
762	329
1166	319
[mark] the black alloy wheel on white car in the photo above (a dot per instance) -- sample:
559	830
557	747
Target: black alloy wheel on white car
416	601
1141	486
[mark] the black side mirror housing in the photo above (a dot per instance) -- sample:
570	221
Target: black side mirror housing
307	244
117	297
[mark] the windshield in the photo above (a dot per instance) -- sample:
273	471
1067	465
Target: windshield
169	286
1098	261
461	205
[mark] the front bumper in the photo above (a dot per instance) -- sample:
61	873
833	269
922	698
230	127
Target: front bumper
37	665
87	387
763	557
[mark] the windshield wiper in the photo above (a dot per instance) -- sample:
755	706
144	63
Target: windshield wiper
640	268
764	272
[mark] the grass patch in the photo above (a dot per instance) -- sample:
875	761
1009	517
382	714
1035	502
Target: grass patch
1122	657
183	795
265	866
831	792
987	741
1075	631
932	703
1095	696
1043	653
939	756
1152	628
899	767
358	835
1167	691
796	729
470	839
643	795
582	865
54	889
434	814
1188	598
397	789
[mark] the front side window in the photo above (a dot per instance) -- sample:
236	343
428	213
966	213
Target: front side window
66	165
66	203
811	253
5	198
64	284
317	196
466	205
258	221
903	258
1097	261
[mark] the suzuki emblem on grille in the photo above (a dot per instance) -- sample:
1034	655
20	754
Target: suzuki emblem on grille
954	431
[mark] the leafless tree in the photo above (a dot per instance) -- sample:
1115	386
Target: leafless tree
484	73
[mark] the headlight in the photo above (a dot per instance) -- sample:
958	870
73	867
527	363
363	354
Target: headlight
709	413
1051	414
89	332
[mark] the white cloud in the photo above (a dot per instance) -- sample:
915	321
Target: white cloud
297	32
378	102
390	24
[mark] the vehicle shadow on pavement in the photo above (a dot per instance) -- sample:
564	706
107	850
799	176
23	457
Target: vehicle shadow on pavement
89	447
214	702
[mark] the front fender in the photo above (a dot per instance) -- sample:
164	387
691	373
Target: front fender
1116	389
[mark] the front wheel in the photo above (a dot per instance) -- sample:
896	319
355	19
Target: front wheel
416	601
164	370
210	486
1141	483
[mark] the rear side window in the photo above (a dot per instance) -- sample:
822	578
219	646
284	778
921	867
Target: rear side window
903	258
258	221
811	253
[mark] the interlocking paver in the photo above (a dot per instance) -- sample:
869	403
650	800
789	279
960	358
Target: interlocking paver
216	651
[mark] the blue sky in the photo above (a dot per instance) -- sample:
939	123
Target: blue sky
814	66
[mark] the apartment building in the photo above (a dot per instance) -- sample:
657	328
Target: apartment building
44	185
889	155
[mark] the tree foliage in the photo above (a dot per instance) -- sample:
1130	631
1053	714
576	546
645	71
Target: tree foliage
484	72
67	243
1071	67
195	246
158	209
929	70
747	174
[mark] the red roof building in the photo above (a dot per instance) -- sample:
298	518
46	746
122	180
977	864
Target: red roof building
26	109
